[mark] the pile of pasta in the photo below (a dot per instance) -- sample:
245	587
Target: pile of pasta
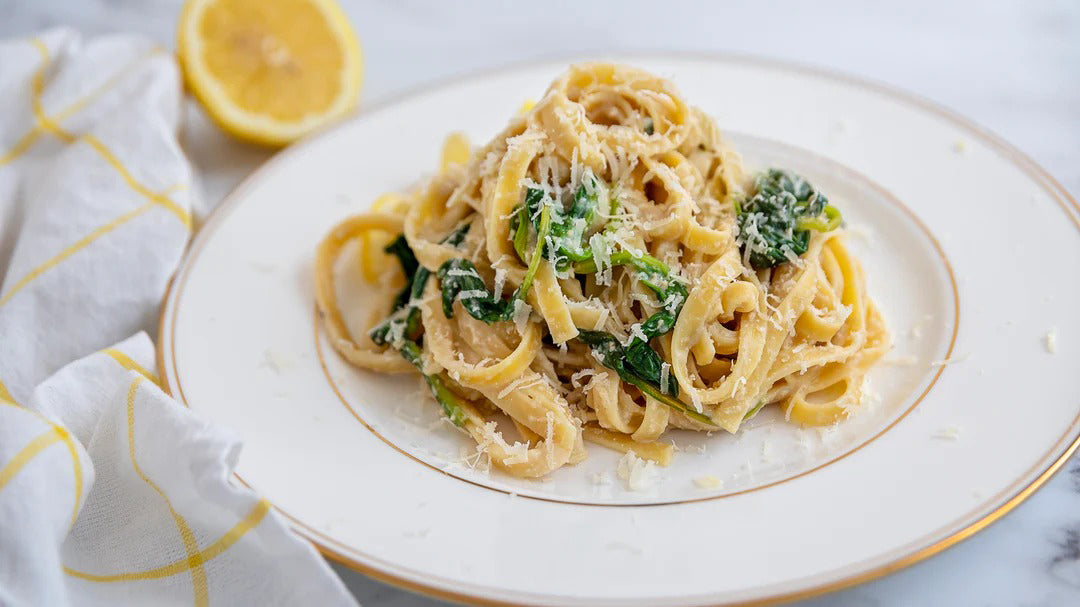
604	270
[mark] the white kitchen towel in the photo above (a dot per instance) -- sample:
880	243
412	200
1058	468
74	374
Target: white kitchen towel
111	493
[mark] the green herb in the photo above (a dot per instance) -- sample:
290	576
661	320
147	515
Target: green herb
416	277
560	233
402	329
404	321
752	412
670	293
775	223
643	262
461	281
459	276
607	350
543	226
641	356
450	402
519	225
568	229
457	236
564	242
648	126
399	248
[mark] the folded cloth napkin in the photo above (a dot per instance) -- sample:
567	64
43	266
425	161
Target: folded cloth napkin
111	493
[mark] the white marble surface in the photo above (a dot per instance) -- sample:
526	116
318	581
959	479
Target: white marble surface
1012	66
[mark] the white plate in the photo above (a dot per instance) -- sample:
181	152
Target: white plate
972	252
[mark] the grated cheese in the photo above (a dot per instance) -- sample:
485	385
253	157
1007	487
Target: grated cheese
1050	341
639	474
601	257
950	360
791	256
636	332
665	372
576	174
522	311
948	433
917	328
520	384
601	318
766	452
275	361
826	434
518	453
490	162
774	313
695	399
672	302
740	384
471	273
601	376
472	294
614	315
708	482
804	442
575	379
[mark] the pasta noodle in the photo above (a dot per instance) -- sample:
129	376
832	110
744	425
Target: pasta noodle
604	270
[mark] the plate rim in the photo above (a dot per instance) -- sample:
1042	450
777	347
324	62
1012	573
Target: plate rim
1002	147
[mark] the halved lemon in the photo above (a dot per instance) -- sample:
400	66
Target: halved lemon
270	71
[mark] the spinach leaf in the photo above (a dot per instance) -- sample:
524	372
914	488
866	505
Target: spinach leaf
607	350
564	242
460	279
399	248
403	330
542	228
639	354
775	223
404	321
457	235
671	294
450	402
644	262
569	228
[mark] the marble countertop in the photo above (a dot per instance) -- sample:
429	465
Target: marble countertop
1013	66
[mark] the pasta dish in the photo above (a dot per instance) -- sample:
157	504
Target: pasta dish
602	270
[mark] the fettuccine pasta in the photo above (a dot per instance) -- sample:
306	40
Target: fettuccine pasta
605	269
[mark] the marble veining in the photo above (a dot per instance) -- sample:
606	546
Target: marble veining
1065	565
1011	65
